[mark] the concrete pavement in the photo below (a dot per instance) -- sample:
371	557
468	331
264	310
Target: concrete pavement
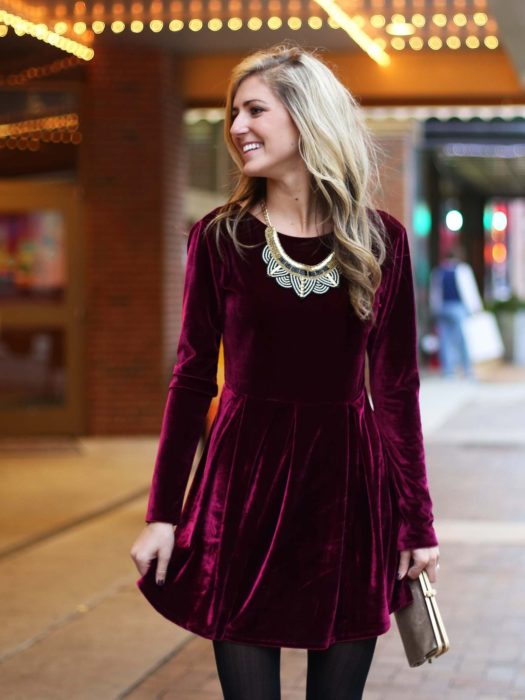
75	627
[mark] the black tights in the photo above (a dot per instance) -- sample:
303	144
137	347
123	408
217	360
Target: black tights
250	672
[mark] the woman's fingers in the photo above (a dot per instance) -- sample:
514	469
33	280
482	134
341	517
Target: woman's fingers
404	563
155	541
424	558
432	568
433	564
162	563
419	562
142	560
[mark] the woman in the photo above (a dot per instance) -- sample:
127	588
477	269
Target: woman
309	506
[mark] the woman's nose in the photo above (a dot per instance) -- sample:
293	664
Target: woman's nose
238	125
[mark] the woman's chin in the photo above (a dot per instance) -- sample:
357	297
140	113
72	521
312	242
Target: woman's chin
253	170
277	170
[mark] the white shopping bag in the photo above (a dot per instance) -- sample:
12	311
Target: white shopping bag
483	337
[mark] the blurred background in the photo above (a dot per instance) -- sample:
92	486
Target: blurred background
111	146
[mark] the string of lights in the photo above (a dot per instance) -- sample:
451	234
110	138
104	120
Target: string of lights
30	133
38	72
42	32
375	25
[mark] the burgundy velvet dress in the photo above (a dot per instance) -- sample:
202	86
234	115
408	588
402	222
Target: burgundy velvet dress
306	489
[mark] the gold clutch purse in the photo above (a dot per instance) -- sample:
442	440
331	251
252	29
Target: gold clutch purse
420	624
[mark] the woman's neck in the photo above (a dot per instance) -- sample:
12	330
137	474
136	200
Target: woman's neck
291	208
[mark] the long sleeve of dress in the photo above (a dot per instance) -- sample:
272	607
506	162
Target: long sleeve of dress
193	382
394	383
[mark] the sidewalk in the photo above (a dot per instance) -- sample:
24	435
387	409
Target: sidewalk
475	444
75	627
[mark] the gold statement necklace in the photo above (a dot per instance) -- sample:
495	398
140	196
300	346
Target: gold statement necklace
287	272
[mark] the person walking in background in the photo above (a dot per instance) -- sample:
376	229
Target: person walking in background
454	295
309	509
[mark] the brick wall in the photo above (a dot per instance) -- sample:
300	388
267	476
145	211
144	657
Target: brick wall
132	170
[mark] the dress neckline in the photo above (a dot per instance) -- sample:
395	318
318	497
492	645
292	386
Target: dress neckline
287	235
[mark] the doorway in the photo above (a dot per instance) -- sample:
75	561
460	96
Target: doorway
41	309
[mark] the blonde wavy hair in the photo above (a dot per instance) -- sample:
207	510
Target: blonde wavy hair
339	153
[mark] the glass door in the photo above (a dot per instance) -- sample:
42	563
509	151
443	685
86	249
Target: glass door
41	309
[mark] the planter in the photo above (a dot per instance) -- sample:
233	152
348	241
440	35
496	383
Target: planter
512	327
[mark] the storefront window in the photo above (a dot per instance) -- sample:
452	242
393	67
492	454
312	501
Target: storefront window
32	367
32	255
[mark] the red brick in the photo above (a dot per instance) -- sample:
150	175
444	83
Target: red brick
132	170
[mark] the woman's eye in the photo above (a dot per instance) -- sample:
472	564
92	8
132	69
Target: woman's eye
253	110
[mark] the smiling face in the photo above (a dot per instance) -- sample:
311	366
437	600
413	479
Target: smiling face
263	131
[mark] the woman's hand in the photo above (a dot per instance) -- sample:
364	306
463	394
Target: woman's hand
414	561
156	540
